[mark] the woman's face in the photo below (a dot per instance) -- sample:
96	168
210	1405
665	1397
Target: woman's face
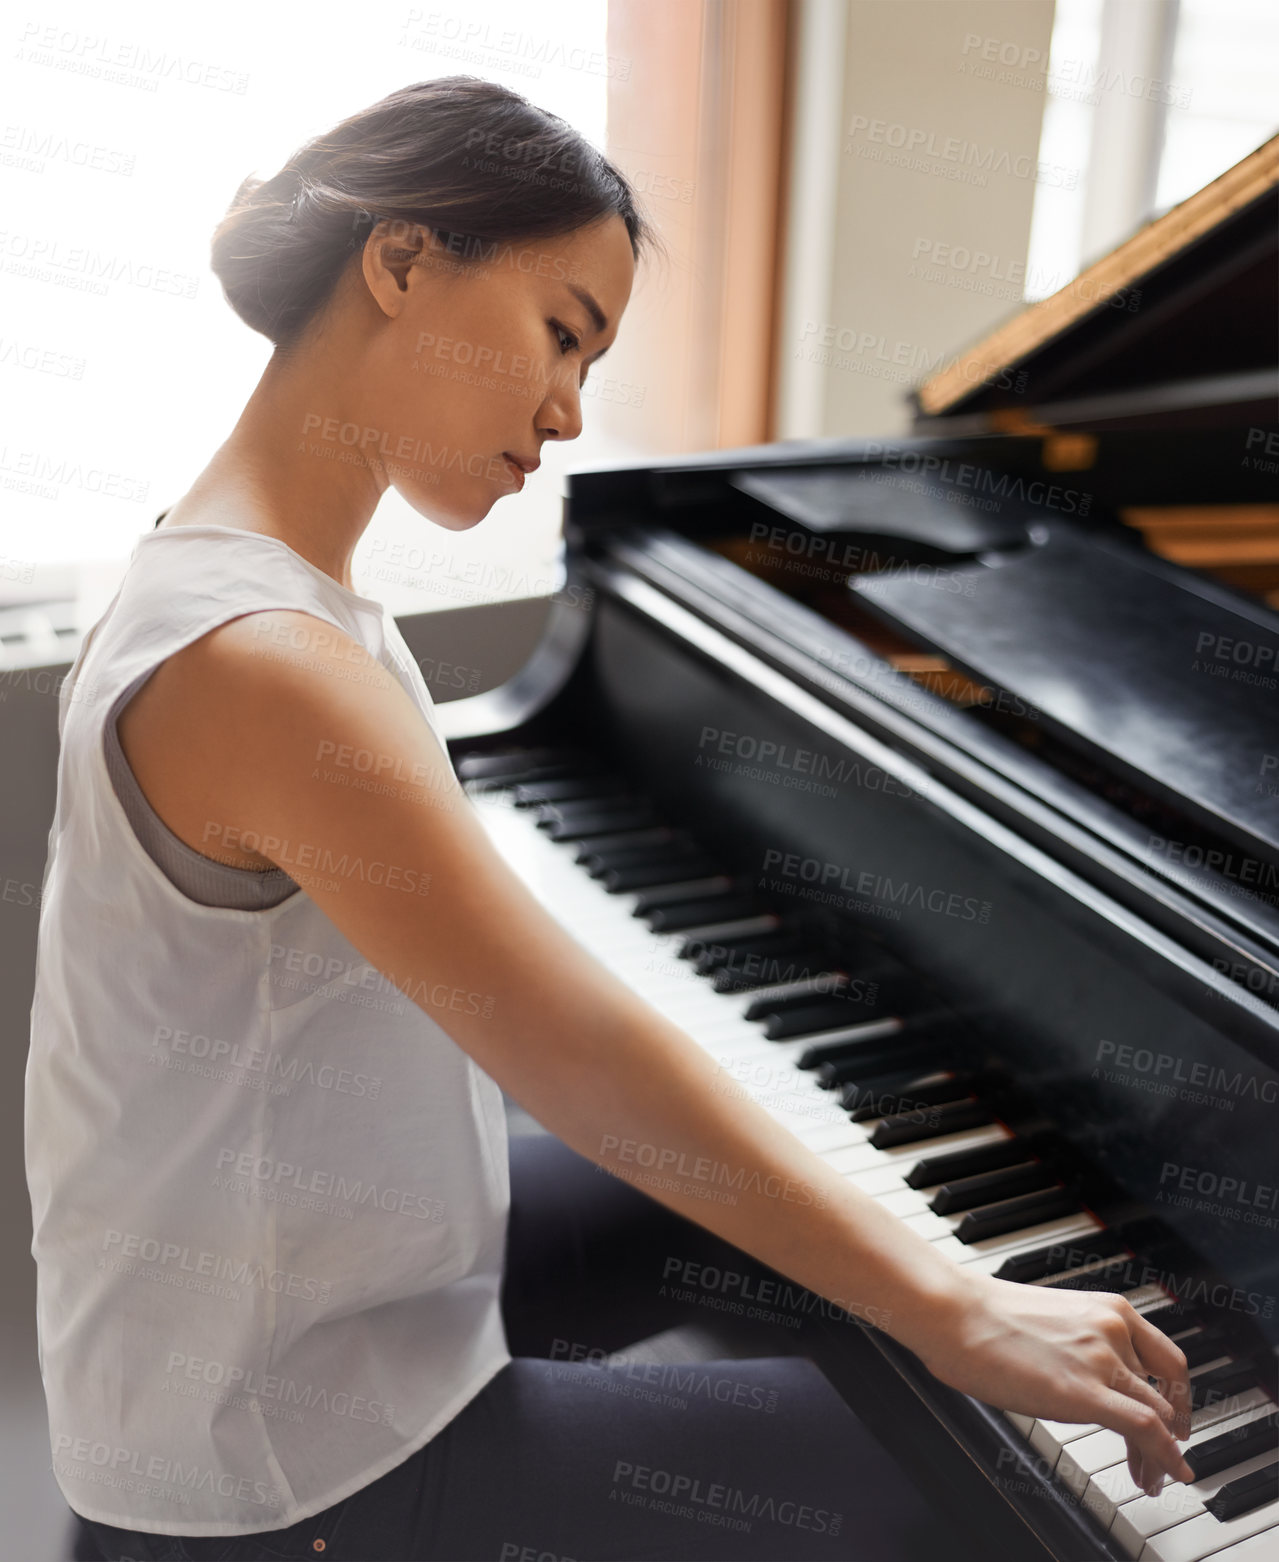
479	352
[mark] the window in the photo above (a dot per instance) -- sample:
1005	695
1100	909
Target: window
127	130
1153	99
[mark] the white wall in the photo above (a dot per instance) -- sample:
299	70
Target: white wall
913	176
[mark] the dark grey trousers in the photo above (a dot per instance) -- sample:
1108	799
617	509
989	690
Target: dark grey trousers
567	1457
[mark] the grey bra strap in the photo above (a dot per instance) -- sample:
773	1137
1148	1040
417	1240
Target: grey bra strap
199	878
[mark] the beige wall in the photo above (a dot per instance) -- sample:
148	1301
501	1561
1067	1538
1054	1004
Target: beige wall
863	317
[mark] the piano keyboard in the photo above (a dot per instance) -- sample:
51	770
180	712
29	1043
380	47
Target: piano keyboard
834	1049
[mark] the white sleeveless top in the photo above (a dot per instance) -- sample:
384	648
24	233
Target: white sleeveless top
269	1191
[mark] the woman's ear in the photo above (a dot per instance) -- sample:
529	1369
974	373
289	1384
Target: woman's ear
394	253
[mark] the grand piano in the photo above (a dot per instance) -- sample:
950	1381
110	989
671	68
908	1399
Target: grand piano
932	785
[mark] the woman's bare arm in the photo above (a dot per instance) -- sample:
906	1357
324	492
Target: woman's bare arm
238	747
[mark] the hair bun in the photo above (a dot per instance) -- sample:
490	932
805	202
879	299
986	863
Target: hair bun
286	240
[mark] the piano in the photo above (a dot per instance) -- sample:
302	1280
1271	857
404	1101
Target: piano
932	785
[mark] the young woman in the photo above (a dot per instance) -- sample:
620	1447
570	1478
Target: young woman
289	1301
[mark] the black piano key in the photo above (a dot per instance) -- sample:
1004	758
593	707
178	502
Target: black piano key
789	958
574	825
628	840
1246	1494
862	1059
665	847
776	998
1173	1318
990	1188
683	887
1219	1453
733	956
823	1052
803	1019
911	1127
549	814
567	789
1202	1345
863	1091
645	875
515	766
1222	1383
910	1093
1116	1277
936	1169
1031	1209
1058	1257
686	914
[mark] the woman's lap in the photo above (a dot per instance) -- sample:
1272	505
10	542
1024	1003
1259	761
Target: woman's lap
567	1456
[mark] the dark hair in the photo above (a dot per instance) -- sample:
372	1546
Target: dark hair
467	158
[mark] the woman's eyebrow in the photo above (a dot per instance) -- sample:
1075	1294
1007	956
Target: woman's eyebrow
592	308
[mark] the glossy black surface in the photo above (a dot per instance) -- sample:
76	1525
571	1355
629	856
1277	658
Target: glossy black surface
869	501
1167	678
1105	1027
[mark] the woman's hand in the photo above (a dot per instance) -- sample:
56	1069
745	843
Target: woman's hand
1081	1356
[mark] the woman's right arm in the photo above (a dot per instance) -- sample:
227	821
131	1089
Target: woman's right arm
248	737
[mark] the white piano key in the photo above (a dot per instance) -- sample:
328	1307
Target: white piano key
1262	1547
1204	1536
1133	1517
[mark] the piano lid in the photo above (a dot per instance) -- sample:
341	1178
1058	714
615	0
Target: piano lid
1161	676
1180	322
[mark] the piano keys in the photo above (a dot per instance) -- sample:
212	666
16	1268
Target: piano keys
949	1165
942	811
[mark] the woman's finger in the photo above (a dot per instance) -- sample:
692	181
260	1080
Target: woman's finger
1133	1409
1164	1360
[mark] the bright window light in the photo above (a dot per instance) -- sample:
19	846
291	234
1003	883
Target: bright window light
127	129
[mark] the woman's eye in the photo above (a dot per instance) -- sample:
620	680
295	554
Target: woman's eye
573	341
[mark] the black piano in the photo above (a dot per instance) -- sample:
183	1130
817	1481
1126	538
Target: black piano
947	768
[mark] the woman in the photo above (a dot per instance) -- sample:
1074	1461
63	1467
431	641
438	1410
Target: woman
281	1312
